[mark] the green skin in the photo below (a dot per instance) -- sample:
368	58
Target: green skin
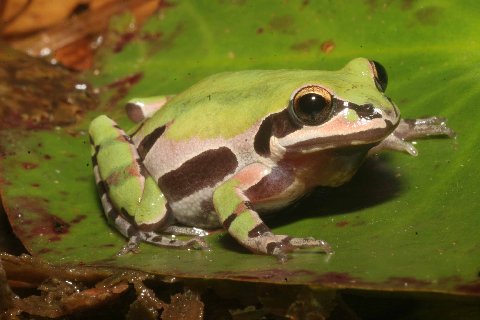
238	144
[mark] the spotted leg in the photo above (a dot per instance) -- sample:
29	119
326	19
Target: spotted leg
239	217
131	199
409	129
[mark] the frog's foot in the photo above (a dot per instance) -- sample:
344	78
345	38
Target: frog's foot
394	143
237	214
186	231
409	129
162	241
281	245
131	246
172	242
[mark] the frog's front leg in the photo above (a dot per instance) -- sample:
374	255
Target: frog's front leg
131	199
238	216
409	129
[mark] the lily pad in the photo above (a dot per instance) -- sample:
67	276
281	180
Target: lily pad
403	223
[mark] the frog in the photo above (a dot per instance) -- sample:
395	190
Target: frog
239	145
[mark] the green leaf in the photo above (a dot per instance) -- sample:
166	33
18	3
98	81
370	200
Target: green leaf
403	223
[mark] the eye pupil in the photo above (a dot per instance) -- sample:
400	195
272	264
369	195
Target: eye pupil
312	105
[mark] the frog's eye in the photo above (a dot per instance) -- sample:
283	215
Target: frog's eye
380	75
311	105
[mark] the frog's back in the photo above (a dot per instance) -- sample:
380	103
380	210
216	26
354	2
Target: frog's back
238	99
202	137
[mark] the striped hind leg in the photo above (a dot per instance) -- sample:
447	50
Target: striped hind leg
131	199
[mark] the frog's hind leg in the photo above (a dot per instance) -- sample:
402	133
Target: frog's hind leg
125	227
140	109
240	219
131	199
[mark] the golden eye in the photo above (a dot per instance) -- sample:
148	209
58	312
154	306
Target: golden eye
312	105
380	75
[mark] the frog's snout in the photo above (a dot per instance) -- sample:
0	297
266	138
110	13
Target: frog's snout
392	113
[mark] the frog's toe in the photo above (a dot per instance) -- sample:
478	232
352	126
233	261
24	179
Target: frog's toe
311	242
285	244
196	243
131	246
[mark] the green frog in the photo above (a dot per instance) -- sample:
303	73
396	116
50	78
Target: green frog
240	144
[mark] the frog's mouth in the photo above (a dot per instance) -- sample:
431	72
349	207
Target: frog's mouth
337	133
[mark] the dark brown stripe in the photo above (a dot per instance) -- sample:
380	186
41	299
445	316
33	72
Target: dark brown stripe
112	214
278	124
286	242
159	225
261	143
149	140
339	140
271	247
395	109
272	184
248	205
157	239
258	230
127	138
131	231
94	160
102	187
97	150
143	170
227	222
126	215
283	124
204	170
365	111
137	129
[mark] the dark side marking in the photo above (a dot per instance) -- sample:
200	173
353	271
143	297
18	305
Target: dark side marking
149	140
112	214
204	170
137	129
131	231
278	124
366	111
160	224
143	170
261	143
94	160
242	207
272	246
367	135
394	108
102	187
157	239
270	185
258	230
227	222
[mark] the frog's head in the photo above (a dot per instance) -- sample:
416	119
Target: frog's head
332	119
345	108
